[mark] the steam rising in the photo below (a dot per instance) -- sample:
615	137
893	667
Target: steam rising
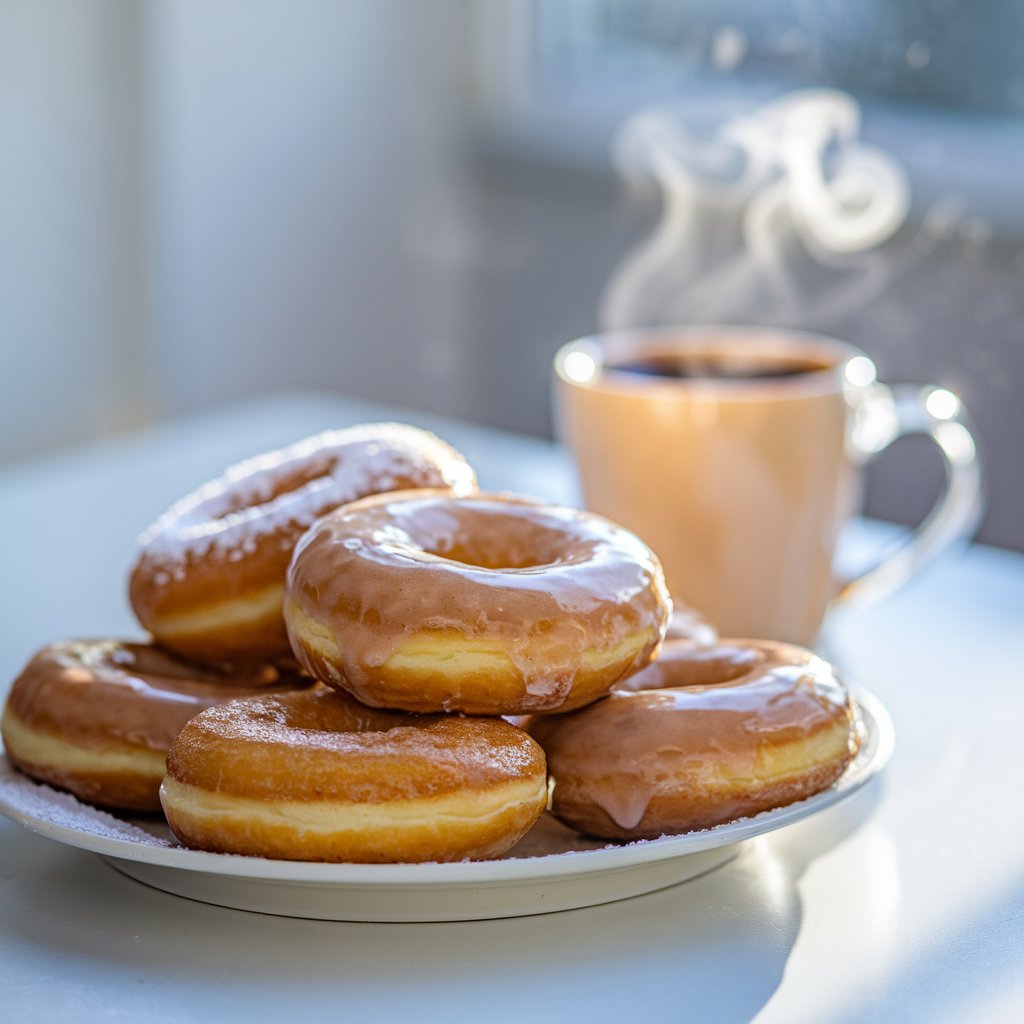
777	215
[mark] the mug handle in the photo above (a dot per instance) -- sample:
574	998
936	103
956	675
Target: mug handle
881	414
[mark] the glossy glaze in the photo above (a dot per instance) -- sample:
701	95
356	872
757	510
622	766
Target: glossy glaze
717	730
95	693
548	586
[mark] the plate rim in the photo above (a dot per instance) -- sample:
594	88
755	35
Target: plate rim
880	740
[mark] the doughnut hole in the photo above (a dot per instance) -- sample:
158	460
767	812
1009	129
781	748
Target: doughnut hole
494	541
702	666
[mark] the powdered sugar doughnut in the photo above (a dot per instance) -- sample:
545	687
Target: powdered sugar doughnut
209	579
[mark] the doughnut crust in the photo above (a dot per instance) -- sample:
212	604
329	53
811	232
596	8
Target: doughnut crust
96	717
705	735
318	776
208	582
485	604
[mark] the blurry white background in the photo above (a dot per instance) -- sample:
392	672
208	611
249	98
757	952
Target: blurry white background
416	201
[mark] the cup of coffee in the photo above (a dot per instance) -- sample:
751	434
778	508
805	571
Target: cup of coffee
736	454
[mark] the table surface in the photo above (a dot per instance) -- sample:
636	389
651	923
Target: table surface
905	903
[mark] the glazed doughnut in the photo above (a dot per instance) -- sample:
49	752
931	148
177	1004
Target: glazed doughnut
705	735
96	717
209	579
318	776
484	604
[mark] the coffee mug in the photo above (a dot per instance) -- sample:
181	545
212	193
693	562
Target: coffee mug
736	454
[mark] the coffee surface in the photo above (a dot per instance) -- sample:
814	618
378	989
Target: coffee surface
709	366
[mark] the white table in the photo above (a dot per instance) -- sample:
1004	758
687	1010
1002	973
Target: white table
906	903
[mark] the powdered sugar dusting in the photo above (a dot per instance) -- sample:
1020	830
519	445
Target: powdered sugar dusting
23	799
288	490
37	804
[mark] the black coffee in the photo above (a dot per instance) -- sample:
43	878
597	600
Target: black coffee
707	366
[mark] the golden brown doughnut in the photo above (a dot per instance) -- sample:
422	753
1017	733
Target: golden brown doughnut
209	579
486	604
96	717
318	776
704	735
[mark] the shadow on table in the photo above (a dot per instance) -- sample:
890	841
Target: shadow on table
712	948
955	975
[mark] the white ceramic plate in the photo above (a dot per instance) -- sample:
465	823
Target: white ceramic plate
551	869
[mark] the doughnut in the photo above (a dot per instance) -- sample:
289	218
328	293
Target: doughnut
705	735
96	717
485	604
208	582
318	776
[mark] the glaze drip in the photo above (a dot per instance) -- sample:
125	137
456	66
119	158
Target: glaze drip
695	718
548	585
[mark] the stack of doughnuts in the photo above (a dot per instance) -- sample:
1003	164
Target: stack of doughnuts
344	635
428	614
